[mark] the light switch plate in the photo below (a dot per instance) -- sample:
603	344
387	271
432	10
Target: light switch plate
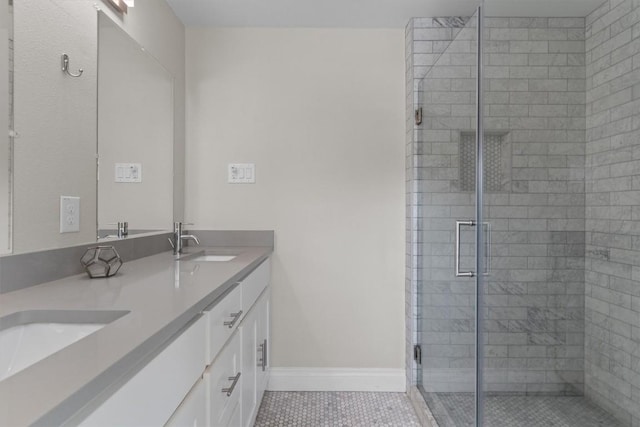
128	172
69	214
242	173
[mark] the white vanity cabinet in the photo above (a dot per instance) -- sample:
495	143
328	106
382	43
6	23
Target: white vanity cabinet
242	355
213	374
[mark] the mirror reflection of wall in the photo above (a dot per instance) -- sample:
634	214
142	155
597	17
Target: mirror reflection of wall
5	157
135	127
55	117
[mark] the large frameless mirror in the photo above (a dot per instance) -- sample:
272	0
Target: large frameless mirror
108	102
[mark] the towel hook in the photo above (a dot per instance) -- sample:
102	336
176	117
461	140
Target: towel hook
65	66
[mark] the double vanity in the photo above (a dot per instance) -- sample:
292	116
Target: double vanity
177	341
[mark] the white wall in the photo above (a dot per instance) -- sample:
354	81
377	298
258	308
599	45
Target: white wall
321	113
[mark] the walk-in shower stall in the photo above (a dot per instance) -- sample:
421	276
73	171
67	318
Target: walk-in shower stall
523	197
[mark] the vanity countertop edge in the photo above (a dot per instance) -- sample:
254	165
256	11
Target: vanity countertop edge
163	296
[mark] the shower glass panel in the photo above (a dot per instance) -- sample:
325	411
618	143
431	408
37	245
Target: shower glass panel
446	171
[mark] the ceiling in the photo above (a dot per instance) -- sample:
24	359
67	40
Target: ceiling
358	13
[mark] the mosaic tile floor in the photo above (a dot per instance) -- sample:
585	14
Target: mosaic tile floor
336	409
457	410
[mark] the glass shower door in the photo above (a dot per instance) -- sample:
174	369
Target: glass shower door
447	212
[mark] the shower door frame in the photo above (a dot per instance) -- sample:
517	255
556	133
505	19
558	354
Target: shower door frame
480	236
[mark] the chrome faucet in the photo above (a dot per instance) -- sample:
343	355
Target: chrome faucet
178	237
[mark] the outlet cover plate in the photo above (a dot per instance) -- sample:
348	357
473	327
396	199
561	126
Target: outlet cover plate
242	173
128	172
69	214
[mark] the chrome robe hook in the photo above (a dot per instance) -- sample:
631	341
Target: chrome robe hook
65	66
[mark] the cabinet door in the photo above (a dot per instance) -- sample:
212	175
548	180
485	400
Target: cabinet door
249	367
192	412
263	344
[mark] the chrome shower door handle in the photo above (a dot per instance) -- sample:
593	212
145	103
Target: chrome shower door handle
487	248
459	225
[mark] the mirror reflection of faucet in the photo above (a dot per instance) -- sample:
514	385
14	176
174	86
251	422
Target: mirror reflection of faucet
179	237
122	231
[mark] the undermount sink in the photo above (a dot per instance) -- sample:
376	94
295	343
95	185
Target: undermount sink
26	337
205	256
216	258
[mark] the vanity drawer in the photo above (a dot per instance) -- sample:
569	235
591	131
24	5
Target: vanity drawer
222	321
221	375
254	284
152	395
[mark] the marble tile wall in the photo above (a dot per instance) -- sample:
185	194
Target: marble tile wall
612	347
535	101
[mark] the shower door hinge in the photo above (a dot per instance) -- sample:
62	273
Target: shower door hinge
417	354
419	116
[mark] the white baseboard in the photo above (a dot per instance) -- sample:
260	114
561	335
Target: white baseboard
337	379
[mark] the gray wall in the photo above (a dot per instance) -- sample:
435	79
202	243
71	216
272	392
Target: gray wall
612	357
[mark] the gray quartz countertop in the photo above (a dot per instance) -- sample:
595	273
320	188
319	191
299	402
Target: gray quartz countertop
162	296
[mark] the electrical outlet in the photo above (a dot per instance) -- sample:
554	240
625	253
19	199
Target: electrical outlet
69	214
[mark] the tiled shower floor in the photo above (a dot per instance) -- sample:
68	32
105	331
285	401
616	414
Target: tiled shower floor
336	409
457	410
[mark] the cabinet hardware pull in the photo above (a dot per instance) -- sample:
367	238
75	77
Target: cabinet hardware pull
261	357
229	390
236	317
262	361
264	355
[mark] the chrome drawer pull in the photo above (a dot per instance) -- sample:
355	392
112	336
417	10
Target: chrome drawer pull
229	390
264	355
262	361
236	317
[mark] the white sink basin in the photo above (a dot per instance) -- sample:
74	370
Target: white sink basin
215	258
205	256
27	337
